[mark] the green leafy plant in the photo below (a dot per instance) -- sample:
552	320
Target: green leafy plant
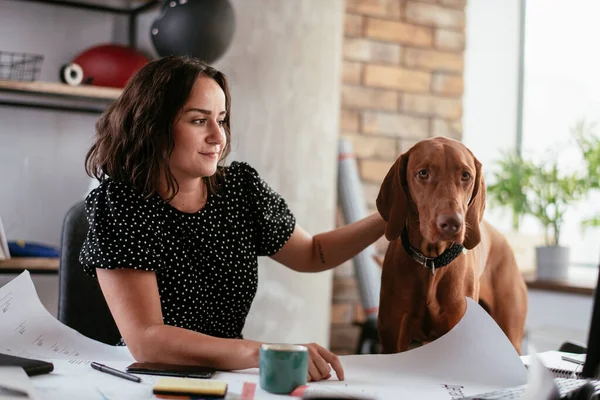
589	144
551	194
509	187
541	190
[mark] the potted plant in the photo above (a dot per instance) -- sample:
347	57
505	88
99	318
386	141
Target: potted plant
539	189
550	196
589	144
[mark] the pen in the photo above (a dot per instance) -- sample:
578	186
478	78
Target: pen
115	372
573	360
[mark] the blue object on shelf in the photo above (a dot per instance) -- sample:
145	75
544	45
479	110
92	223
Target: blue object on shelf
21	248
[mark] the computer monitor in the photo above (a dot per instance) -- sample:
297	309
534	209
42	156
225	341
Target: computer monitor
592	358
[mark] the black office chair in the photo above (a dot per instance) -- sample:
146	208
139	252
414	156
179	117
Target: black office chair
81	304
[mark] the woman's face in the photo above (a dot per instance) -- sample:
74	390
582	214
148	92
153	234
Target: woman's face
198	133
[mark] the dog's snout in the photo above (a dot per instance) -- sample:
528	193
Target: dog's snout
449	223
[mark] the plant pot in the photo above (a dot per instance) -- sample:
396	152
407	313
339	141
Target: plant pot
552	262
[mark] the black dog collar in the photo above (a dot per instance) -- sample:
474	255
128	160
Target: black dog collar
428	262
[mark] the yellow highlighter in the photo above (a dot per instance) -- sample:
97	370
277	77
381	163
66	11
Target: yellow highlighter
190	387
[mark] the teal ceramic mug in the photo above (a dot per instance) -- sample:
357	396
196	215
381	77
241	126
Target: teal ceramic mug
283	367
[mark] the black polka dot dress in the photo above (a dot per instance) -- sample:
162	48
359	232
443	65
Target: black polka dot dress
206	263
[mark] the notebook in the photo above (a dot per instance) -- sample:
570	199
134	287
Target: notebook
561	368
32	367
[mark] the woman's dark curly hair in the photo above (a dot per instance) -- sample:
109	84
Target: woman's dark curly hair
134	135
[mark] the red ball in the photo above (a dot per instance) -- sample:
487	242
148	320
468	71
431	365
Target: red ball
110	65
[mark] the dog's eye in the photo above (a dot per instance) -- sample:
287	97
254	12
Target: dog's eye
466	176
423	174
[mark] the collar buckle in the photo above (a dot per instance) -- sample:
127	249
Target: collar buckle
426	262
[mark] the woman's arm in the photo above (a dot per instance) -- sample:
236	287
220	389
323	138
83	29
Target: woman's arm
306	253
132	296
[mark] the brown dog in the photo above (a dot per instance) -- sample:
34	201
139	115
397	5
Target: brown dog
433	199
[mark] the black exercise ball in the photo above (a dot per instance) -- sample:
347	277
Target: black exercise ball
197	28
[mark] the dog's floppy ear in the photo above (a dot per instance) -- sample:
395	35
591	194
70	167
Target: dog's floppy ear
475	209
392	200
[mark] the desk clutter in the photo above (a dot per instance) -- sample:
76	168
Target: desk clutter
473	359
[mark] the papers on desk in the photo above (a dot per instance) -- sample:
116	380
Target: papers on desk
475	357
69	381
27	329
472	358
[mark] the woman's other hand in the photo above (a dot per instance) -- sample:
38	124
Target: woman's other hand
320	363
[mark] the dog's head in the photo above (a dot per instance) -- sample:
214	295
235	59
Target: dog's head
439	182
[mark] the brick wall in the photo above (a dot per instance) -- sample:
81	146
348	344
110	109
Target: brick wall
402	82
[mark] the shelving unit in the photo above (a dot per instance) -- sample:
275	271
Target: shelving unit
56	96
62	97
129	8
60	89
33	264
112	6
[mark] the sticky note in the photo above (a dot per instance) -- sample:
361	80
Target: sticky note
189	386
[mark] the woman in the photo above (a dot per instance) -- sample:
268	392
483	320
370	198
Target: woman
174	237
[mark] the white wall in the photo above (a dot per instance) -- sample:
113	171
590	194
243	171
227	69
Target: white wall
561	86
42	152
554	318
490	124
491	82
557	91
284	68
490	101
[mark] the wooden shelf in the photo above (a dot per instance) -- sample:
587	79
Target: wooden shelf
127	7
57	96
60	89
579	281
30	263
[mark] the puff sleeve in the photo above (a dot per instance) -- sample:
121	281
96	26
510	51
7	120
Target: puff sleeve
119	235
274	221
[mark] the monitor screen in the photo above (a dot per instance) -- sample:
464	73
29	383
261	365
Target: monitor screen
592	359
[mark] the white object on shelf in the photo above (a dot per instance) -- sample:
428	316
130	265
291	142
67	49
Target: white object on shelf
4	253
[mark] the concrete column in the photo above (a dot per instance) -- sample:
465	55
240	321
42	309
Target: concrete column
284	66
